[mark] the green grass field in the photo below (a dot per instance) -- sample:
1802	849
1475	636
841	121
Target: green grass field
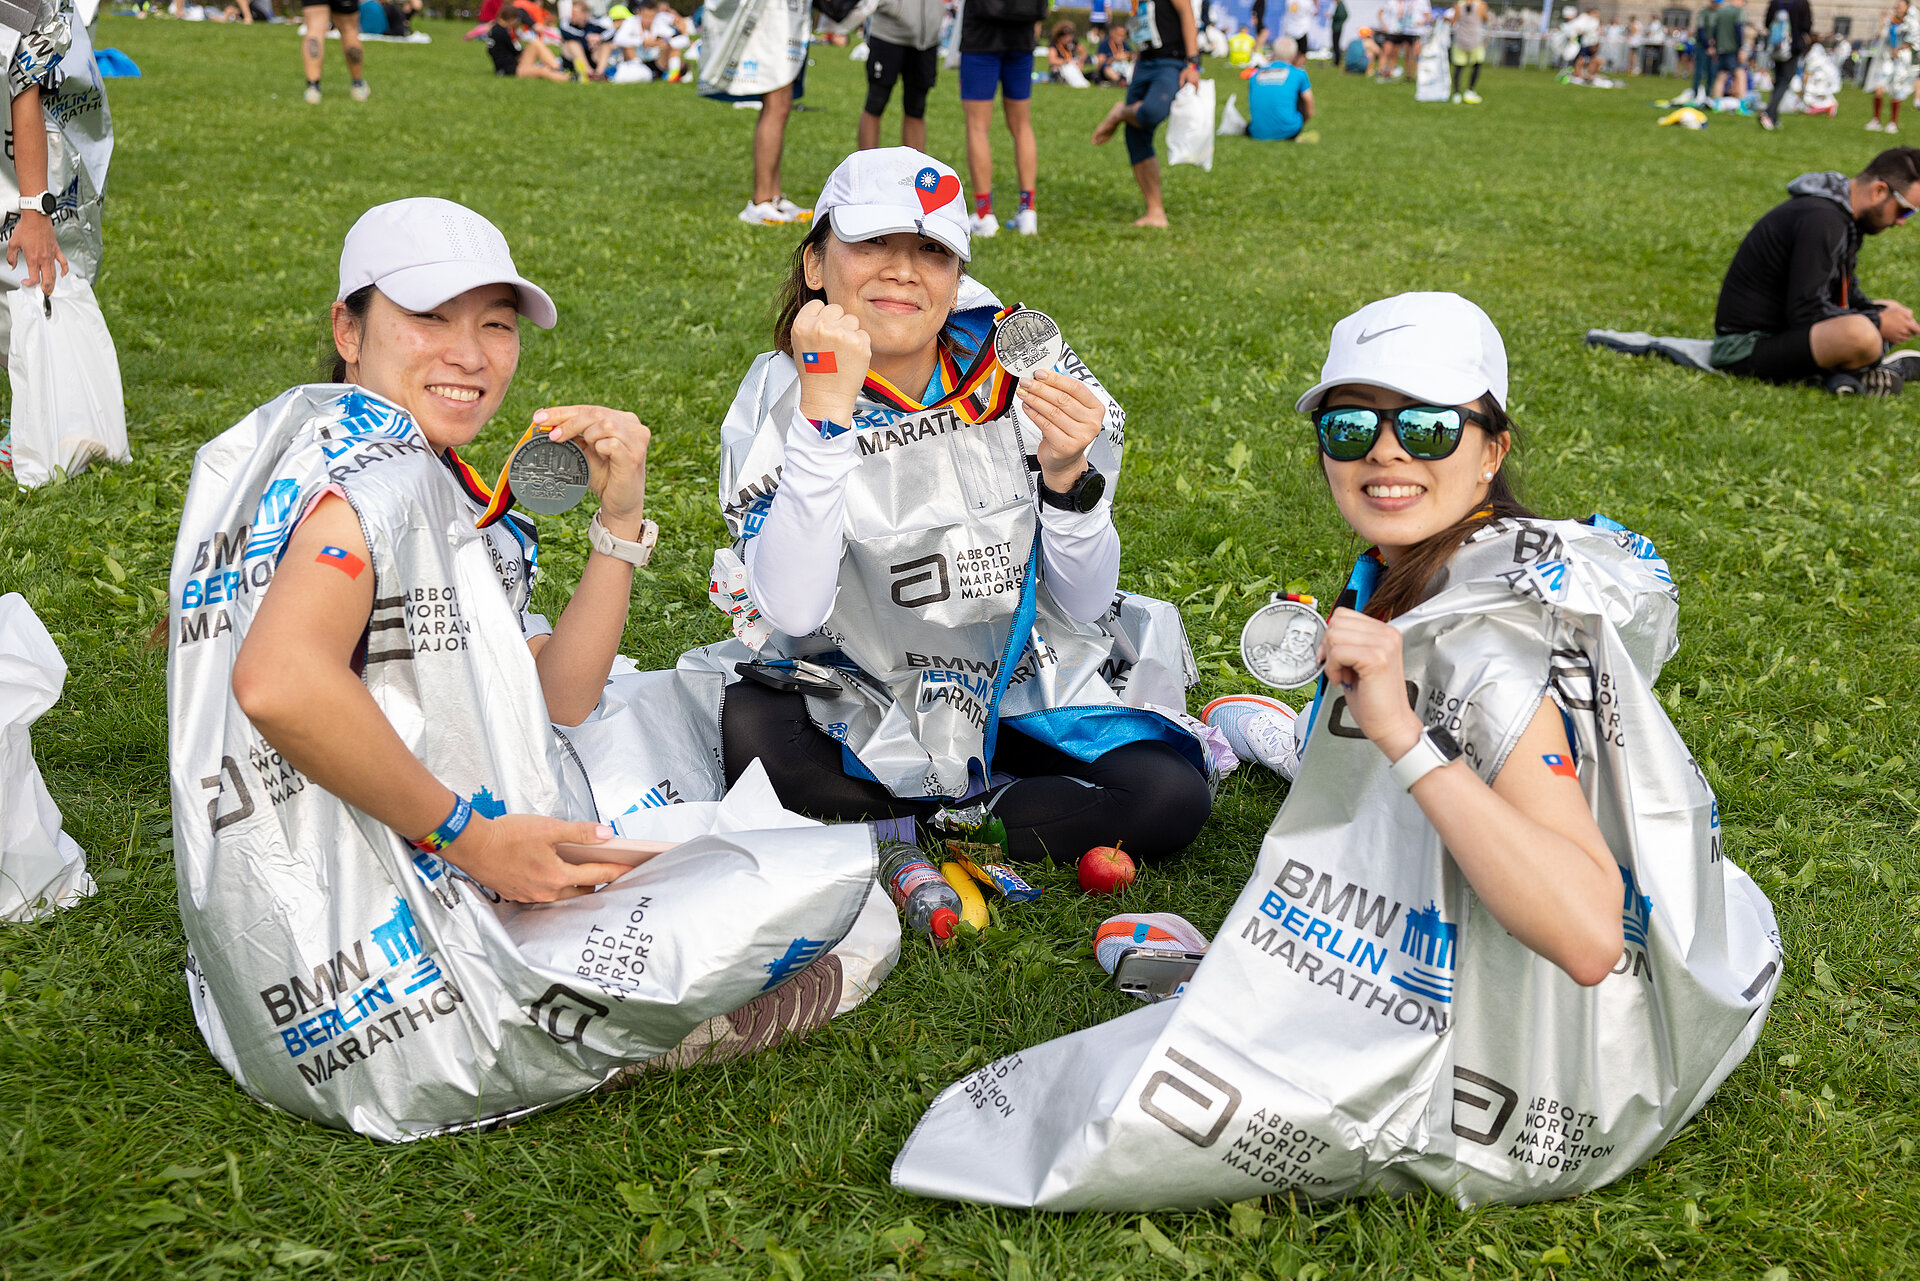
1789	519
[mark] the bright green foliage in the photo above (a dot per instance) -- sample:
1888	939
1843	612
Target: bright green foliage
1789	520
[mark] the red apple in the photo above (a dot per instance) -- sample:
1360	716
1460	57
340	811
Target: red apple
1106	869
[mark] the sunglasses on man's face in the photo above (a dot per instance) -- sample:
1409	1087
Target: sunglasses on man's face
1426	432
1906	210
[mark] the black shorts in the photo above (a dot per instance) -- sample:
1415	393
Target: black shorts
887	63
1785	357
340	8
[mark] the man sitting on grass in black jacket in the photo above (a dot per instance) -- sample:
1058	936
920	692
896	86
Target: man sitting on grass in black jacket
1791	309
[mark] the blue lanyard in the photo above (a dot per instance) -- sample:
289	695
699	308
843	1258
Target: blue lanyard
1365	577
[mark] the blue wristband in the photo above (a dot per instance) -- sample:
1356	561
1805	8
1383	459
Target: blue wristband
436	841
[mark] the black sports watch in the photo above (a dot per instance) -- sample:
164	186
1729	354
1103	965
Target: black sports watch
44	203
1083	496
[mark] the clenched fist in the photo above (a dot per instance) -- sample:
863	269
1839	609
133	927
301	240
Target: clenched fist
830	385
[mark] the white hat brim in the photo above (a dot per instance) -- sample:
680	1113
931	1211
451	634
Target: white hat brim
854	223
425	287
1431	385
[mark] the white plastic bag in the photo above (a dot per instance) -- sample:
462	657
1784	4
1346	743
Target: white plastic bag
860	52
1231	121
41	868
1190	127
67	407
1072	76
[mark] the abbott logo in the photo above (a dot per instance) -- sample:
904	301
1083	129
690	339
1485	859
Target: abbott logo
1203	1102
563	1014
908	591
1508	1102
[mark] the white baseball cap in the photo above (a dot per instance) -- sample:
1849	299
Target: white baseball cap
891	189
423	250
1435	347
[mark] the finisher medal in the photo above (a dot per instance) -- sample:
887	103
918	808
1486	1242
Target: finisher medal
1280	644
1026	341
548	476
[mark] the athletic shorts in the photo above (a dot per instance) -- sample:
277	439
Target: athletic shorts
1468	57
886	63
981	73
1727	62
340	8
1785	357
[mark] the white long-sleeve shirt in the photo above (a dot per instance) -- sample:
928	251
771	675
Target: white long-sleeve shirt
793	564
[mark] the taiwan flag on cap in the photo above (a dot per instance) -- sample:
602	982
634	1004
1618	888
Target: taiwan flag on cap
893	190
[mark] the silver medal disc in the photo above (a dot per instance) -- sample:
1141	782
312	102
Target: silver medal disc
1027	341
548	476
1280	644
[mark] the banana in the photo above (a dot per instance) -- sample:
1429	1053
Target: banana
973	908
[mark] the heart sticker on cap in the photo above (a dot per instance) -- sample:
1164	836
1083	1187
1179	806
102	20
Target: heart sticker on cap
935	188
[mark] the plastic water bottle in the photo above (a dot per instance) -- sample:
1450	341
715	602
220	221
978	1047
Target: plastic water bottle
919	890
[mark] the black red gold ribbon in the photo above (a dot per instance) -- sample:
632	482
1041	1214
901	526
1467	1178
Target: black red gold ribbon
497	497
983	377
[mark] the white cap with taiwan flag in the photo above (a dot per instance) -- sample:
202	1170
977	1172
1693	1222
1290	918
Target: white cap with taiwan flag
893	189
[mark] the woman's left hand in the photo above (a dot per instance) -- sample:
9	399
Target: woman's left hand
616	444
1362	657
1069	417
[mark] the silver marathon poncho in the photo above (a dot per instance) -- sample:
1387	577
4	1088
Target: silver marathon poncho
336	972
942	605
1360	1022
46	46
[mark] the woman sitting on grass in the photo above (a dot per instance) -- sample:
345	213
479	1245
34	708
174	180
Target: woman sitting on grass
950	557
368	776
1490	946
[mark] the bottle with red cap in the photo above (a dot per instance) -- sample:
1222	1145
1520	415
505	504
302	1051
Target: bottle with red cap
919	891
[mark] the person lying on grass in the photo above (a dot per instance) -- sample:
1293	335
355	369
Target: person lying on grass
895	511
1791	307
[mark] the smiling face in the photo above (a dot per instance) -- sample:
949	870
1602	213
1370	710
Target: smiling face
899	287
1394	500
449	367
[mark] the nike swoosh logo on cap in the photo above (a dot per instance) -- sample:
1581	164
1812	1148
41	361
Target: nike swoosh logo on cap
1364	339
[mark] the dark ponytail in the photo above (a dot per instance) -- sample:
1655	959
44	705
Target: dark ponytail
795	293
333	365
1411	580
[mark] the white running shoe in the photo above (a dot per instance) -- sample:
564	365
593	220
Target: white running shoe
313	95
359	91
1874	126
1026	222
986	228
1257	728
1892	127
792	212
764	214
1470	96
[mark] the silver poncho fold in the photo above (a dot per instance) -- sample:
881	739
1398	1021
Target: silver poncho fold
1360	1022
336	972
750	47
941	528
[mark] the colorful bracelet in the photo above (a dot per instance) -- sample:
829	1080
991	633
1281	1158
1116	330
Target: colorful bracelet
827	430
448	832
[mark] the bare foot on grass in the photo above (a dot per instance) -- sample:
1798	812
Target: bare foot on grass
1151	220
1104	131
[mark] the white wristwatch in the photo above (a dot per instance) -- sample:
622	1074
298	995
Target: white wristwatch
634	553
44	203
1433	749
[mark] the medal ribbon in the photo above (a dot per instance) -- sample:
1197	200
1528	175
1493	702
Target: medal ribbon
983	374
497	497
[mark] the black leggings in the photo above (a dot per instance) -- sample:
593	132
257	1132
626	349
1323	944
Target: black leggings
1146	794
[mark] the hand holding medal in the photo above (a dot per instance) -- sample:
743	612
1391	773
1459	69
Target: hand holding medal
832	352
570	449
1028	344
